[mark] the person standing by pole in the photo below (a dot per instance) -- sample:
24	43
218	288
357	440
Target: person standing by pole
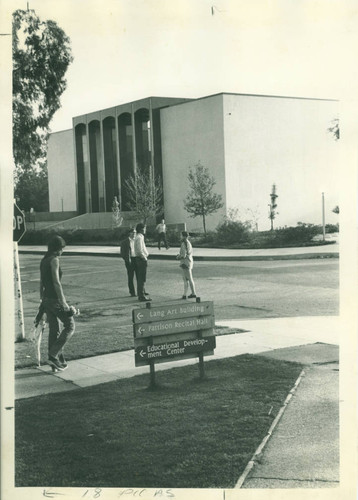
162	230
55	304
127	254
141	262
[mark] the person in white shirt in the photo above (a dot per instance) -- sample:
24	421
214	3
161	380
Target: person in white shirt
161	230
186	264
141	261
127	254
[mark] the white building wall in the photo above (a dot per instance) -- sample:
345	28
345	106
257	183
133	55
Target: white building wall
61	172
248	143
283	141
192	133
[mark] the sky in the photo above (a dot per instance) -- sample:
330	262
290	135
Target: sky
130	49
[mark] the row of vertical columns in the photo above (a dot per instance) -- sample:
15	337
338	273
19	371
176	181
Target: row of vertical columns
151	136
87	166
90	133
134	142
103	172
118	160
75	163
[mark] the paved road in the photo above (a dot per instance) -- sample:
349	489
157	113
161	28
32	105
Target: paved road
240	290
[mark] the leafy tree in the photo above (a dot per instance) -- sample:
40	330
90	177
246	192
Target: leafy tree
273	205
32	191
201	200
145	194
41	55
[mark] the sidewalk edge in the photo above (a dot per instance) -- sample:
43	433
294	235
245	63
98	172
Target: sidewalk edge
253	460
333	255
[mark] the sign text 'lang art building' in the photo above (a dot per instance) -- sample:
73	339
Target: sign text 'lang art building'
248	143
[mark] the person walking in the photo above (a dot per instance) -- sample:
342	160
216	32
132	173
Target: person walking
127	254
162	230
186	264
141	262
55	304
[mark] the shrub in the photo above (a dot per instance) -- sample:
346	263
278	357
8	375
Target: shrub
302	233
233	232
173	237
332	228
206	240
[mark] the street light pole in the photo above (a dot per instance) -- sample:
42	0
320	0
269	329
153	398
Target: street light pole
323	220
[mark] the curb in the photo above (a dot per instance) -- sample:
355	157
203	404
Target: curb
333	255
258	451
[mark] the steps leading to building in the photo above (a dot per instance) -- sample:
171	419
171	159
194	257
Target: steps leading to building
100	220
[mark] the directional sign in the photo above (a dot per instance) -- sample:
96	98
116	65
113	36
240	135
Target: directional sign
18	224
171	332
170	326
172	311
144	354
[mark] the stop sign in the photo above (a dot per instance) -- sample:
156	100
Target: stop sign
18	224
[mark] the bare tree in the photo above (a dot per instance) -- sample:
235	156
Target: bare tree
334	129
145	194
117	218
253	215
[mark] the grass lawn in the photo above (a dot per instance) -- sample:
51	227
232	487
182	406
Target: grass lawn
85	343
187	433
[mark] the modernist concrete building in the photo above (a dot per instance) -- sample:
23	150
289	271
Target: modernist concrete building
248	142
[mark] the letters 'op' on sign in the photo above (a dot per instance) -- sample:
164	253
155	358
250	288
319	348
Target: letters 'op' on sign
18	224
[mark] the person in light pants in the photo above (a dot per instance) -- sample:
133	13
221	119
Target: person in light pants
186	264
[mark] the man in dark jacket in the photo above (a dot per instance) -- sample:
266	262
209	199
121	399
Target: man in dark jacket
127	254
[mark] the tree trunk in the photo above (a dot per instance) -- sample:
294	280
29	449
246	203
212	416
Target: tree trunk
204	224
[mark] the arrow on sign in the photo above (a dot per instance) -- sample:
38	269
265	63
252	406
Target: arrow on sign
142	353
139	316
141	330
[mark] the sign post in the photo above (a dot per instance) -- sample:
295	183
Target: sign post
19	229
173	331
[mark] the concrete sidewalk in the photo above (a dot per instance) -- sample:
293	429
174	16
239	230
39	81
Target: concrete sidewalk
261	335
319	251
303	450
